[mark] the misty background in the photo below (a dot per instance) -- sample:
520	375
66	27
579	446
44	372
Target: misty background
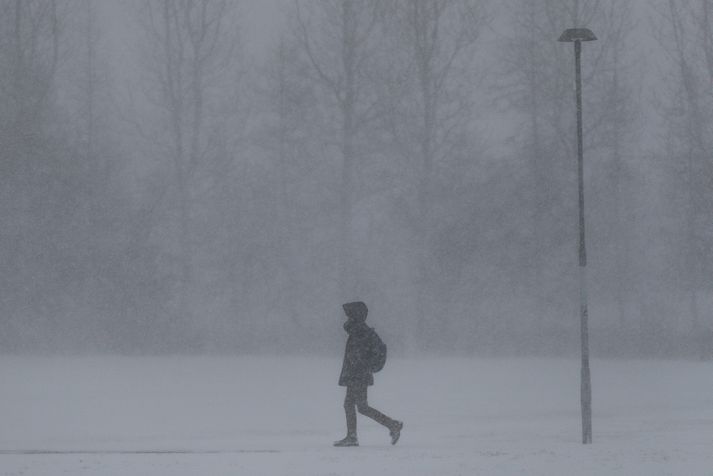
220	176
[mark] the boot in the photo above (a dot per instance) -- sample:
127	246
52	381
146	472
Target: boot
350	440
396	432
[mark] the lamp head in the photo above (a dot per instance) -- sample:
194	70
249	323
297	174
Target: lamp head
577	34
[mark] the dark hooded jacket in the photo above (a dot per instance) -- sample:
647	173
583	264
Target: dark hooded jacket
355	368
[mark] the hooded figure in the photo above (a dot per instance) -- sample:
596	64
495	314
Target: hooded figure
355	367
357	376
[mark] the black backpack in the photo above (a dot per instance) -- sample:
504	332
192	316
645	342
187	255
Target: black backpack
377	352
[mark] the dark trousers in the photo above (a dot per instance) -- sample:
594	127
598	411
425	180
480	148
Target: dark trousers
356	399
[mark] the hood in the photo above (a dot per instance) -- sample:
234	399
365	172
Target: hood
355	311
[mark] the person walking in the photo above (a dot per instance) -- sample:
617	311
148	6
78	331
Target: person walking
364	354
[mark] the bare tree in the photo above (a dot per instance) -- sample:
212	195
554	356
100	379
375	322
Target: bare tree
31	34
616	141
685	34
538	84
289	126
190	46
438	39
338	39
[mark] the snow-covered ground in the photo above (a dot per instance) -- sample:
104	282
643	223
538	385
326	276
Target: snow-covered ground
278	416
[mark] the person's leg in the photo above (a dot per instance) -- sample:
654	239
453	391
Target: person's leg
360	398
350	412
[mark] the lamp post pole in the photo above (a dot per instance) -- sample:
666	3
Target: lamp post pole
586	381
578	35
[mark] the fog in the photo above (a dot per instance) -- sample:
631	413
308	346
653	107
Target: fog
220	176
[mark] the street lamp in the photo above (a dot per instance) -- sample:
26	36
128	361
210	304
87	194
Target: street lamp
577	36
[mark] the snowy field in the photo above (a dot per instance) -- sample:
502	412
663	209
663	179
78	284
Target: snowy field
278	416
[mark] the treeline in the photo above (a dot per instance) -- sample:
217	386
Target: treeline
415	154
